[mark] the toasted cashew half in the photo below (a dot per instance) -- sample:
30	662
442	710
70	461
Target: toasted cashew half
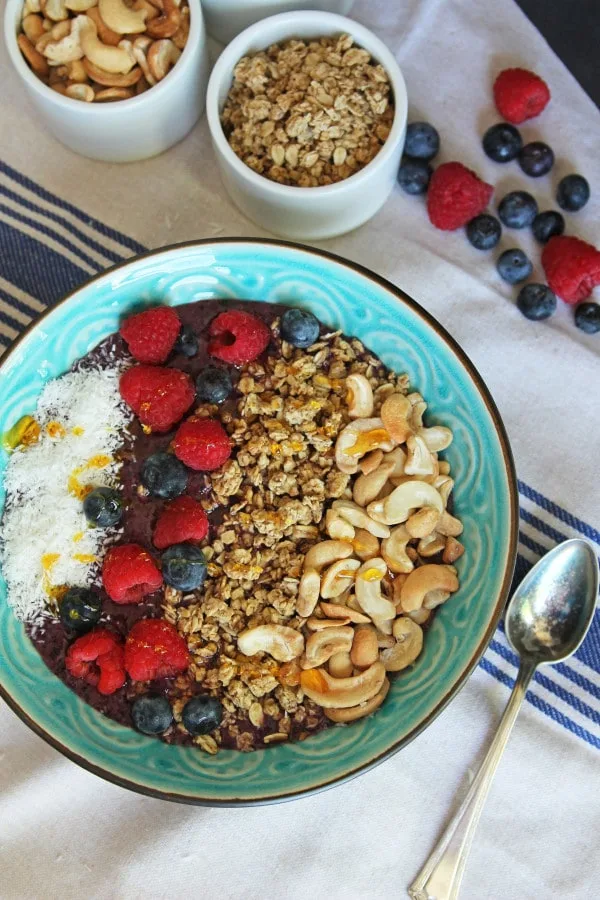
31	6
111	59
182	34
337	528
419	460
365	544
340	665
80	91
437	438
453	550
316	624
321	646
368	592
35	59
365	649
106	34
360	397
281	642
140	51
393	550
339	611
33	26
357	439
338	577
318	557
359	712
420	616
431	545
371	461
55	10
422	581
443	484
423	522
341	693
357	516
166	25
408	496
398	457
110	94
449	525
395	414
80	5
409	643
162	56
121	18
367	487
110	79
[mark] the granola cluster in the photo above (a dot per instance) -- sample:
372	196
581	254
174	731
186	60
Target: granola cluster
308	113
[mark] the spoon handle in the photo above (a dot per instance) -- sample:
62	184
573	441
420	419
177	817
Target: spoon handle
440	877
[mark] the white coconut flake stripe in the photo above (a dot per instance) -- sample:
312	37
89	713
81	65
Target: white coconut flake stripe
45	541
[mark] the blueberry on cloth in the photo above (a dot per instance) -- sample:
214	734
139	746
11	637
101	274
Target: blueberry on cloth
546	225
299	327
536	302
184	567
164	475
80	609
587	317
103	507
422	140
484	231
502	142
213	385
572	193
513	266
517	209
414	175
202	714
536	159
151	713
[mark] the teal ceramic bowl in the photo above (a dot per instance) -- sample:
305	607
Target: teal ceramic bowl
344	296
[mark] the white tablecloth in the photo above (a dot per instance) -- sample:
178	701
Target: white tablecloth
66	834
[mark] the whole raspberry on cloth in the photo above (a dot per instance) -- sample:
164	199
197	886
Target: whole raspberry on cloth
237	337
154	649
456	195
129	573
520	94
202	444
98	658
151	334
158	396
182	519
572	267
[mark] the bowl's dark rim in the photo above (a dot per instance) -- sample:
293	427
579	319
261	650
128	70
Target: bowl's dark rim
510	558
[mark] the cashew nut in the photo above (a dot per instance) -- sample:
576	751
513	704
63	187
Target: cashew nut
435	598
76	72
114	93
337	528
393	550
365	649
449	526
368	592
106	35
166	25
182	34
419	460
437	438
443	485
431	545
395	412
357	439
398	457
408	496
151	11
162	56
359	712
33	57
321	646
420	616
338	578
80	91
80	5
418	409
69	48
31	6
281	642
55	10
315	624
453	550
371	461
111	59
360	397
110	79
368	487
140	51
33	26
421	581
338	611
444	467
353	513
121	18
365	544
423	522
319	556
340	665
341	693
409	643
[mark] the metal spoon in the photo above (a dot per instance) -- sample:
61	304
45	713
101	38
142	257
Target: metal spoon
546	621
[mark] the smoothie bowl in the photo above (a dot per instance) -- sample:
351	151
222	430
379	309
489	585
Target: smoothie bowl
259	522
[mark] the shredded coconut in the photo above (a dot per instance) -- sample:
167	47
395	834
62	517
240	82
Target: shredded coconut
46	542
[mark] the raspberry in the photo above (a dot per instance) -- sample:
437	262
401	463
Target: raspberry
181	520
154	649
129	573
158	396
151	334
238	337
98	658
202	444
520	94
456	195
572	267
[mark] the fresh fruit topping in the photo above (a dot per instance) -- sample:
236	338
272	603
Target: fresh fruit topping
517	209
299	328
151	713
213	385
181	520
154	649
587	317
103	507
547	225
97	657
237	337
187	342
502	142
484	231
536	302
202	714
80	609
572	193
414	175
572	267
129	573
422	140
202	444
151	334
455	196
163	475
159	397
513	266
536	159
184	567
520	95
25	431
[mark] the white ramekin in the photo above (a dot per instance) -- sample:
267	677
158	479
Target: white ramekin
295	212
226	18
125	130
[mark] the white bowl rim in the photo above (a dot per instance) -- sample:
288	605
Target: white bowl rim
232	54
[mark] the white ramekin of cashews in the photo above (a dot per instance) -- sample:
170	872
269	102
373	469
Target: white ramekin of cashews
109	45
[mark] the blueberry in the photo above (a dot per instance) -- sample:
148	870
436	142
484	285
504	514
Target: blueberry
184	567
573	192
202	714
484	231
80	609
536	302
502	142
151	713
587	317
536	159
213	385
422	140
513	266
299	328
164	475
187	342
414	175
546	225
517	209
103	507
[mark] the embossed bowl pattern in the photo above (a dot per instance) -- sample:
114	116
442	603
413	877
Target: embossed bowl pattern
343	296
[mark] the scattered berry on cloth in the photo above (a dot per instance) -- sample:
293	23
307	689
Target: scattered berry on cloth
184	567
213	385
202	714
158	396
163	475
154	649
484	231
517	209
237	337
187	342
536	302
422	141
546	225
514	266
572	267
97	657
129	573
536	159
572	193
80	609
202	444
299	328
456	195
151	334
414	175
587	317
181	520
502	142
151	713
520	95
